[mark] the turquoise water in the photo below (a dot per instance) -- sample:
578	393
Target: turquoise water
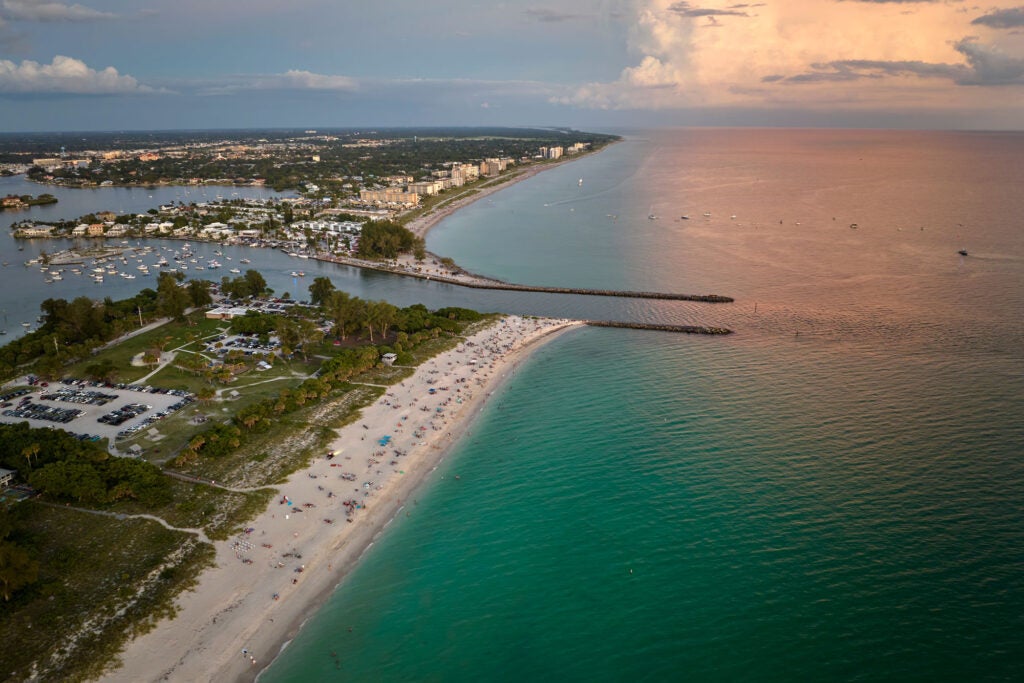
833	493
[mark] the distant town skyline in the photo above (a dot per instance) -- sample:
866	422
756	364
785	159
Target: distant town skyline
598	64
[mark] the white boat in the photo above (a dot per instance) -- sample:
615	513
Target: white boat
581	182
234	270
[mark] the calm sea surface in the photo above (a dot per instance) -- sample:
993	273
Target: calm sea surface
836	492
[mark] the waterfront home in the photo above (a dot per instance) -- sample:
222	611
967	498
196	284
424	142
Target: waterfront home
6	478
12	201
34	231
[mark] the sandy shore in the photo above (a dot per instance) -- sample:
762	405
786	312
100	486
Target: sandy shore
421	225
268	581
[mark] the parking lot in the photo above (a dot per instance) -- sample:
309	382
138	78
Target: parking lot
91	409
247	344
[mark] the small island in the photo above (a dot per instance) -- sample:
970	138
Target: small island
13	201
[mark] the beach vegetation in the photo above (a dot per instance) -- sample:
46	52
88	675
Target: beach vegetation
100	581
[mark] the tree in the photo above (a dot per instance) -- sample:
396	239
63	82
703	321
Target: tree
17	569
29	452
199	293
103	371
171	300
320	291
257	285
345	312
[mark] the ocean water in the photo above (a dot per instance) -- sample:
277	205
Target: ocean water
835	492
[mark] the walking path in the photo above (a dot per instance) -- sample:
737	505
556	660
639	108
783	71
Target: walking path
121	516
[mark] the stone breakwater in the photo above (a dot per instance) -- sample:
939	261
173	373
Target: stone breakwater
706	298
466	279
680	329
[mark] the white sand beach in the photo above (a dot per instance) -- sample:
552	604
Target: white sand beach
268	581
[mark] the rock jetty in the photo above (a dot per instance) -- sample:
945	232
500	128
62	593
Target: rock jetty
680	329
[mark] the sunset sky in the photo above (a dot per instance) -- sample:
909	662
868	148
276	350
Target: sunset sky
110	64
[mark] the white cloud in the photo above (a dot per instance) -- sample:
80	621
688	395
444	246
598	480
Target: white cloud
40	10
65	75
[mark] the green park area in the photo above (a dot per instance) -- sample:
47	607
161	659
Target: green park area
84	563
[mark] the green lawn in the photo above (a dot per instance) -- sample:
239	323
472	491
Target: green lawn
169	336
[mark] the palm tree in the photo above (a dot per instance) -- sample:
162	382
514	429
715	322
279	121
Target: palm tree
29	452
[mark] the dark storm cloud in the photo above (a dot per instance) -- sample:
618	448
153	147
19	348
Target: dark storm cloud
685	9
1003	18
549	15
985	66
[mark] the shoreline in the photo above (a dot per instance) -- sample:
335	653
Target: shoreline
233	607
422	224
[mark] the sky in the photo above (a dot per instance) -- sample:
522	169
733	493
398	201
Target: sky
589	64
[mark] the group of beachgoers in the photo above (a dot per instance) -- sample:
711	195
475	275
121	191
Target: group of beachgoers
272	575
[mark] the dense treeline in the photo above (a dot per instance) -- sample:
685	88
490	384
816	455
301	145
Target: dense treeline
63	467
60	465
77	327
386	239
251	283
72	329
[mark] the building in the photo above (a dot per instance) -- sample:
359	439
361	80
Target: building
12	201
389	358
96	230
6	478
34	231
426	187
225	313
389	196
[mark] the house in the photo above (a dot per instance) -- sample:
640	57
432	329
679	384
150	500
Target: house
389	358
96	230
12	202
6	478
34	231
